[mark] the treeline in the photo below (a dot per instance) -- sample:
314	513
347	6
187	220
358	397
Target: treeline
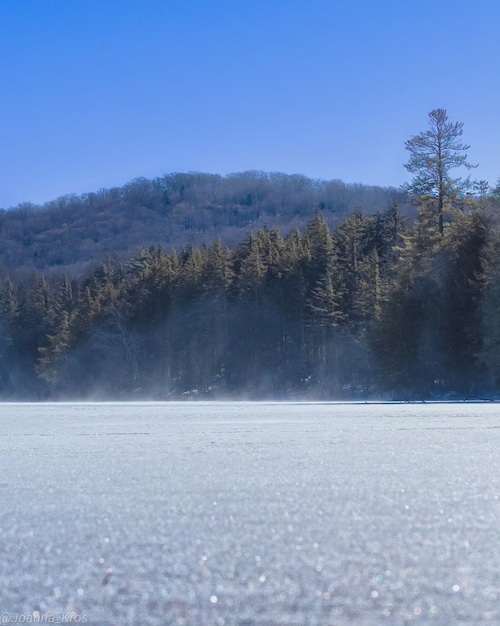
376	307
179	209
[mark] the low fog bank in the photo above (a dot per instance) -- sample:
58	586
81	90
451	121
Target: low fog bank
197	356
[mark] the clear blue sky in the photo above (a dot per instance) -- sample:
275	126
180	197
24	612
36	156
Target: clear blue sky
98	92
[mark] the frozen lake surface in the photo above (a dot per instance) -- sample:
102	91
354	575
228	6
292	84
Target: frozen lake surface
250	514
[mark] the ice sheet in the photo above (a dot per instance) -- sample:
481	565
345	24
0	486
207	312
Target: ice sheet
250	513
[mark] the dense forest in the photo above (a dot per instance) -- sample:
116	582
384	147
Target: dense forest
381	304
74	233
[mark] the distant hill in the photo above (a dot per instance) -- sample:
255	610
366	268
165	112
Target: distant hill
174	211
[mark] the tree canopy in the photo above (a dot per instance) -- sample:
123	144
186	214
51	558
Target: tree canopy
376	303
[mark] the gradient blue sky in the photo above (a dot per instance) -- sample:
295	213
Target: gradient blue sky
98	92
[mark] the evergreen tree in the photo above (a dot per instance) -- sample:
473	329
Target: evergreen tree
8	307
433	155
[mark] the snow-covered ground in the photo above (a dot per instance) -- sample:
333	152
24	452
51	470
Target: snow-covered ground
250	513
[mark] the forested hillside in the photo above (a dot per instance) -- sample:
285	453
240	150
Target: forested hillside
372	304
376	307
74	233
